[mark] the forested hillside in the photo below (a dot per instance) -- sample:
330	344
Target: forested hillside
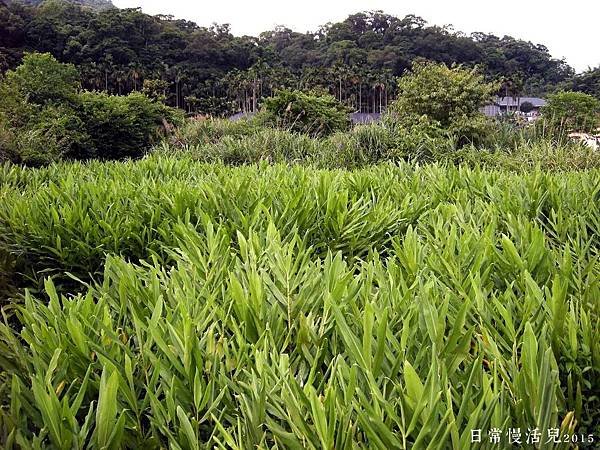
94	4
208	70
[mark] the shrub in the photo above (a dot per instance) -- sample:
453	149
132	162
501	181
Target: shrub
363	145
530	155
526	107
271	145
41	79
316	115
47	137
201	131
7	142
43	117
119	126
449	98
572	111
509	133
376	140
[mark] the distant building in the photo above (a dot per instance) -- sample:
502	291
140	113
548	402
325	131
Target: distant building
526	106
364	118
241	115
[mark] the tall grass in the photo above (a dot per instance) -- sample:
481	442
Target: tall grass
276	307
508	146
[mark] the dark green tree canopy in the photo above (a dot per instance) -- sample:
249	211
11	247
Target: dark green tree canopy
356	60
588	82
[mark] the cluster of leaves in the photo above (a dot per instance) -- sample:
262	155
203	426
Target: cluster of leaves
93	4
312	114
587	82
444	99
572	111
211	71
395	307
44	116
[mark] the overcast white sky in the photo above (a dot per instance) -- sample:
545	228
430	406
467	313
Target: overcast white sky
570	31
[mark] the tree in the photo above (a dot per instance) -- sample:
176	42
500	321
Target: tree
41	79
450	97
116	50
588	82
572	111
155	89
527	107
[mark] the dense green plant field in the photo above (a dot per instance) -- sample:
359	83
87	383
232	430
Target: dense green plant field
176	304
249	142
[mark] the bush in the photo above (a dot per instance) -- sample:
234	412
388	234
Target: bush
41	79
572	111
119	127
315	115
448	98
44	140
526	107
210	131
43	117
7	141
274	146
530	155
509	133
364	145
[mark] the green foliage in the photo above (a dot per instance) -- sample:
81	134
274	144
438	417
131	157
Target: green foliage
269	307
7	141
507	145
119	126
200	131
588	82
529	155
41	79
356	59
442	93
248	142
315	115
270	145
45	118
448	97
392	142
526	107
155	89
93	4
572	111
57	130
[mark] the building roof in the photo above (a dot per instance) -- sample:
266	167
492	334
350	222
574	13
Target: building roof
364	118
241	115
517	101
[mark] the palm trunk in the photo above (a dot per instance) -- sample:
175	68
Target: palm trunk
360	98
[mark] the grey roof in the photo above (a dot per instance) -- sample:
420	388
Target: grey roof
241	115
516	101
363	118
